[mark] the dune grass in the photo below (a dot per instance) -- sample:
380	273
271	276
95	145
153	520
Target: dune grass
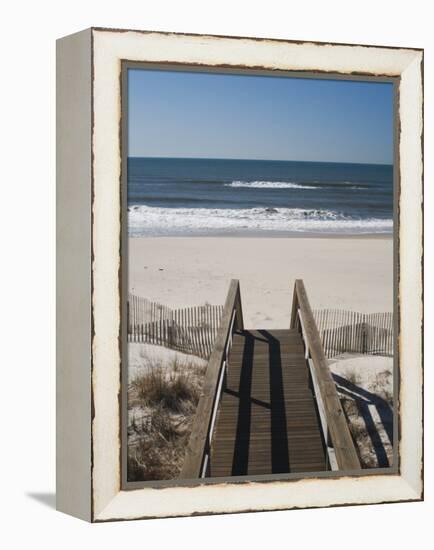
162	404
167	388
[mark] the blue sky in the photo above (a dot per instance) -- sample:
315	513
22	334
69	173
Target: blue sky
180	114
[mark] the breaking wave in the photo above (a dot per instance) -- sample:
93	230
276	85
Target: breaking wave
146	220
270	185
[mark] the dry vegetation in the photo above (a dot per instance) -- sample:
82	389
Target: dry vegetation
368	404
162	402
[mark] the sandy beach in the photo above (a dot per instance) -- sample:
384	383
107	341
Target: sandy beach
348	273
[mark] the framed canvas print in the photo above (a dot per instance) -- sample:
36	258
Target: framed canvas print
239	247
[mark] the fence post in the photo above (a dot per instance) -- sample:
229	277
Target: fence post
191	330
364	336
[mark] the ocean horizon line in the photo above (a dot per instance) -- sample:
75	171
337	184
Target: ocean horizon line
263	160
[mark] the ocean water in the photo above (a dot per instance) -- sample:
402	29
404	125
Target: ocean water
172	196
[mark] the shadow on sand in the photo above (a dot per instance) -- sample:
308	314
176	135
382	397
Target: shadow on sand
363	400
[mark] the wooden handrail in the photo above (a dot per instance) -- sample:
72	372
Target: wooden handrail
343	444
201	434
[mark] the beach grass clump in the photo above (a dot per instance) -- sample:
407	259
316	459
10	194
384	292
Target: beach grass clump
162	403
167	388
159	451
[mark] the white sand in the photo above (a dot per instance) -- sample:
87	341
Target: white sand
368	369
365	384
142	357
347	273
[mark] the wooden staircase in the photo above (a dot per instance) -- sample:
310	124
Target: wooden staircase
267	421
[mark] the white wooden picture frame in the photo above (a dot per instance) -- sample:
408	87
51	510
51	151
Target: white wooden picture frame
89	113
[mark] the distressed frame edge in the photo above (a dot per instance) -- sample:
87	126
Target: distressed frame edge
253	38
73	275
415	479
412	492
126	65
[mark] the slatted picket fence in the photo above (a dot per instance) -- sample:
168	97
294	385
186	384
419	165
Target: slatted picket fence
190	330
349	331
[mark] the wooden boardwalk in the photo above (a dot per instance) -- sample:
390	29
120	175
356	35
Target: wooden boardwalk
269	403
267	421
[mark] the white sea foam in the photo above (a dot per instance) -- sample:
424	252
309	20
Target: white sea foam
146	220
270	185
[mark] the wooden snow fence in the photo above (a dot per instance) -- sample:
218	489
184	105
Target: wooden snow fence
349	331
191	330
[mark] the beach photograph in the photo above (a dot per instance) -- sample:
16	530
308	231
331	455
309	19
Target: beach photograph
260	275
